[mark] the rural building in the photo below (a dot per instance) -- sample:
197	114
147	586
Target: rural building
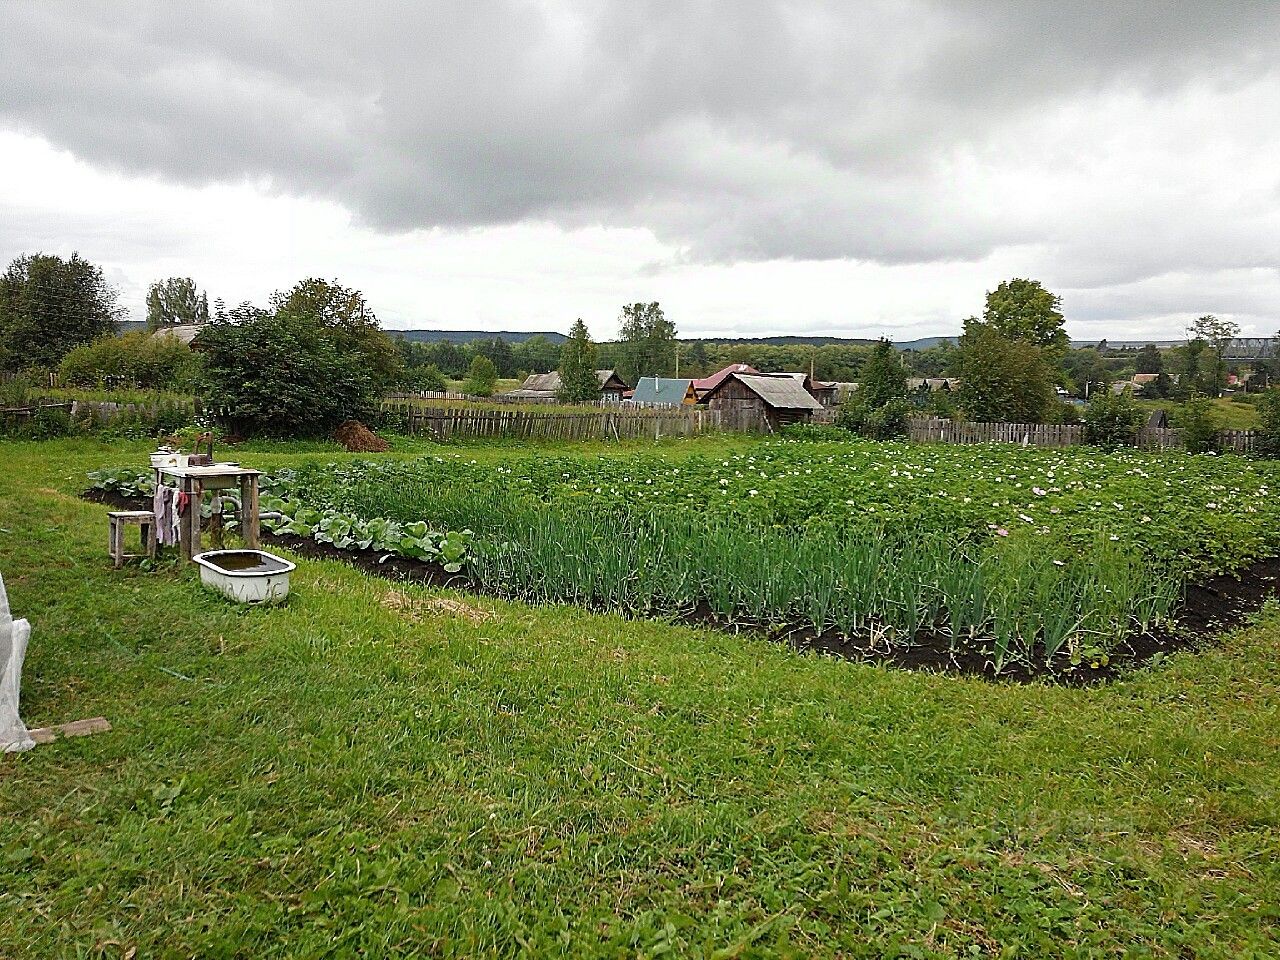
932	384
776	399
663	392
545	386
184	333
707	384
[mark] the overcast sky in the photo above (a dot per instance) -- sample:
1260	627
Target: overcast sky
758	167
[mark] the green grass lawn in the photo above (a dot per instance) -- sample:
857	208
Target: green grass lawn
1227	414
384	770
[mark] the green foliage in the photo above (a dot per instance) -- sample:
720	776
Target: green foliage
137	360
348	323
129	482
428	378
482	378
883	377
1025	312
176	302
578	380
1003	550
885	422
1268	441
1199	427
1003	380
647	342
49	306
286	373
1217	334
1112	420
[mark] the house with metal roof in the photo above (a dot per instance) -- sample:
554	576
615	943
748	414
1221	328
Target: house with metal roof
773	400
546	386
706	384
663	392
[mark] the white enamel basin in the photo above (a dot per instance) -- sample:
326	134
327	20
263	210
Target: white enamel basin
246	576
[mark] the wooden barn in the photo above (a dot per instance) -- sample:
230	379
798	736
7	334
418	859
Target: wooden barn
773	399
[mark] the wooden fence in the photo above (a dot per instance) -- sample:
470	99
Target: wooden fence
443	423
1059	435
437	397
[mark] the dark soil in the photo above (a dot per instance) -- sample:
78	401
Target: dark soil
1209	608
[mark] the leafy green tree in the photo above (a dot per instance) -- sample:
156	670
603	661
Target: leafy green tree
578	380
1024	311
1218	334
883	377
134	360
1003	380
285	373
428	378
1111	420
175	302
347	320
1199	427
1268	441
482	378
1149	360
538	354
647	342
49	305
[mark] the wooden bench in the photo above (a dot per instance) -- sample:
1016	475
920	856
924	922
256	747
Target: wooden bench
144	520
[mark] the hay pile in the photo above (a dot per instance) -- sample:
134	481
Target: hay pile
358	438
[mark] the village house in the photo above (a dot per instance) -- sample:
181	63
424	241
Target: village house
776	399
663	392
546	387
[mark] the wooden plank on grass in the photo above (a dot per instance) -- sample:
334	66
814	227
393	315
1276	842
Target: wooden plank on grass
77	728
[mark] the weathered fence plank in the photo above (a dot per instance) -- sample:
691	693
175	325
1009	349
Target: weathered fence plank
928	430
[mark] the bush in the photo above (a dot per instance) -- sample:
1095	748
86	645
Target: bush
482	379
1111	420
133	360
1268	443
885	422
1199	429
428	379
283	374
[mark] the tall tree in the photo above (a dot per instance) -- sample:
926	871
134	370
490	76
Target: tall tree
49	305
1003	380
175	302
648	342
1218	334
1023	310
1149	360
883	377
346	318
578	381
482	377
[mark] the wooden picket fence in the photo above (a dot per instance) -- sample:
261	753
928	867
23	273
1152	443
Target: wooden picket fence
444	423
1058	435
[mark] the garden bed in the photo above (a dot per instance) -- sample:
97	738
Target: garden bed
1210	608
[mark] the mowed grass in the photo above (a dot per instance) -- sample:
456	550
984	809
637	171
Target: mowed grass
383	770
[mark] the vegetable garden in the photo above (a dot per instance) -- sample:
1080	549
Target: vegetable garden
1023	560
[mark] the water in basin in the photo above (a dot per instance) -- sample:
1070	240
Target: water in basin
248	561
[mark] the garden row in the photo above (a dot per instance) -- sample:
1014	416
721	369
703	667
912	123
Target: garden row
1025	560
1031	559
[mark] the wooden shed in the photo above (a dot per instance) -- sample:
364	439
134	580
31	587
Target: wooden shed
775	400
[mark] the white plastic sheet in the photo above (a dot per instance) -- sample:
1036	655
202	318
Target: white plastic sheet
14	635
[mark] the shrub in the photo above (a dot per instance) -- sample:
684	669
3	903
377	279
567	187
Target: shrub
283	374
1111	420
881	423
482	378
133	360
1268	443
1199	429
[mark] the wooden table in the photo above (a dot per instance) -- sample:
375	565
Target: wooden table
194	481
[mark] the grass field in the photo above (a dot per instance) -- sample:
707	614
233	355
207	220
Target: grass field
384	770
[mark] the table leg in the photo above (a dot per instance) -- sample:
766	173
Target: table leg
191	522
249	511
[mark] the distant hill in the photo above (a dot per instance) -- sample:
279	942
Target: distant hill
466	336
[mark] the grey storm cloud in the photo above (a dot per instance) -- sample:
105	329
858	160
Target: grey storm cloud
748	130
